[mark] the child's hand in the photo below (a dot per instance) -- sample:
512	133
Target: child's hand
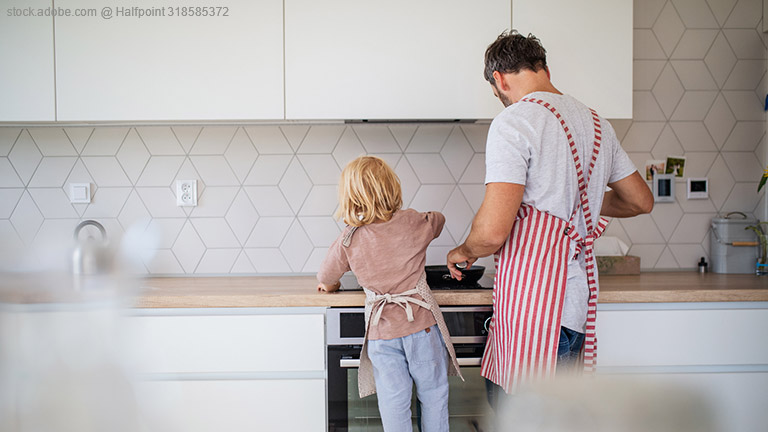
328	288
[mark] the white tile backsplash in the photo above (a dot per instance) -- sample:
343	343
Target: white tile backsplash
188	248
104	141
8	136
242	216
321	139
8	200
430	168
214	170
267	192
53	203
321	168
215	232
106	171
695	43
642	136
52	142
52	172
240	154
160	141
133	156
296	247
268	201
26	218
377	139
217	261
668	28
25	157
694	75
746	14
215	201
213	140
269	232
695	14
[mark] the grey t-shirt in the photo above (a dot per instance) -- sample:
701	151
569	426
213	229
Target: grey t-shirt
526	145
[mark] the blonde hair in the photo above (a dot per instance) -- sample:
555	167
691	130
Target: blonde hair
369	191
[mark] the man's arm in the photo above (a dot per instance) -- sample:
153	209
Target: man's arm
491	225
629	196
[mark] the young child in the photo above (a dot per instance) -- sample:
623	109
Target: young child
405	333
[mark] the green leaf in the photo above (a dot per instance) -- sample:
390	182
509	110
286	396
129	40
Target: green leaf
762	183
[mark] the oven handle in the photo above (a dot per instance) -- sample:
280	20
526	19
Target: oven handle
463	361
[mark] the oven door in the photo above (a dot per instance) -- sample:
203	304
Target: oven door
468	406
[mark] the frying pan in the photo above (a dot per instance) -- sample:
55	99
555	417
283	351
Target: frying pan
438	275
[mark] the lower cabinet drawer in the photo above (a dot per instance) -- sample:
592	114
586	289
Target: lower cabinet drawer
681	337
232	406
227	343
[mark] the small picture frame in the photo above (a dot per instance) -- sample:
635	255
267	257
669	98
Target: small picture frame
698	188
653	167
664	188
675	165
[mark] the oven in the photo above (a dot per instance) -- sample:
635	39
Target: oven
468	406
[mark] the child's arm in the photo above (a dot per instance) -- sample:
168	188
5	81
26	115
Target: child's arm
328	288
334	266
437	220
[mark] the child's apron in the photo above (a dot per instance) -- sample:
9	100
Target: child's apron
374	304
530	282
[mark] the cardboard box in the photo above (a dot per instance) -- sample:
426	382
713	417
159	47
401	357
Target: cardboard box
618	265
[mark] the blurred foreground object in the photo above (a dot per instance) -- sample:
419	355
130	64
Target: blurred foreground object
607	404
64	359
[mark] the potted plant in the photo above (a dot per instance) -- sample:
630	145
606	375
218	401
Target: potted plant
761	267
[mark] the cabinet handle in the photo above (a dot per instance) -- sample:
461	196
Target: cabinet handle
463	361
349	363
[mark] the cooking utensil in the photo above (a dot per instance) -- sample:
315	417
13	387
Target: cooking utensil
440	276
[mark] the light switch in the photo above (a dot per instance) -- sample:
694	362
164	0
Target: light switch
80	193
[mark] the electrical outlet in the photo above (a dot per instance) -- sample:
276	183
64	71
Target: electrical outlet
186	193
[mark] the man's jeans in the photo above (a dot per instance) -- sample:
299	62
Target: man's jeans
420	358
568	350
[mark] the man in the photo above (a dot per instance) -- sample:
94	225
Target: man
548	161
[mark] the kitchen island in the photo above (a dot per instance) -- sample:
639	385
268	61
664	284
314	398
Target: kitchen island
698	331
247	353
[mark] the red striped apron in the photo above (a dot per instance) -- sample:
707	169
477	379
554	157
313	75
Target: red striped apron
530	282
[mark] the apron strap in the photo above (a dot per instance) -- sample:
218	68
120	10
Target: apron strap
583	180
403	299
586	244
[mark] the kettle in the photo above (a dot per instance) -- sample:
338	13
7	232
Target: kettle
90	256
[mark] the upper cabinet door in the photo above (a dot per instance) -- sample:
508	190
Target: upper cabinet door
589	48
395	59
26	62
188	62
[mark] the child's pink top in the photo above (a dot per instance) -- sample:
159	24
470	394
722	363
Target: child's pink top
388	257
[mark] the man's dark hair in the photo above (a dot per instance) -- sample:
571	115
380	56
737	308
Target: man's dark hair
512	52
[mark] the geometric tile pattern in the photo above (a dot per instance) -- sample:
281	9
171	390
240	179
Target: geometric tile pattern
701	89
267	193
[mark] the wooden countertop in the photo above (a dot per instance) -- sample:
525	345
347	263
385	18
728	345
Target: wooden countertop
300	291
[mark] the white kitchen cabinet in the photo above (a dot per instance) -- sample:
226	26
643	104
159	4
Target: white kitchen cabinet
712	350
233	405
233	369
589	48
170	67
398	59
205	343
26	74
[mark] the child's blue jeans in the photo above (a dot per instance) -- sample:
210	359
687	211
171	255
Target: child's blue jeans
419	358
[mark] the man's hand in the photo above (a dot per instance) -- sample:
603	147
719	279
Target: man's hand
458	256
328	288
490	227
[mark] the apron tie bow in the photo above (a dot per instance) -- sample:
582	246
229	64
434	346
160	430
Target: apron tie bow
403	300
